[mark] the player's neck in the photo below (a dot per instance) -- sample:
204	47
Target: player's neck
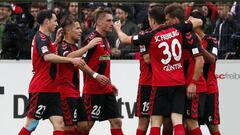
201	34
156	26
102	32
69	40
44	30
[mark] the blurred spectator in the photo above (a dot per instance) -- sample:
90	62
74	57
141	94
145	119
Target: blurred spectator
225	28
120	50
210	12
10	33
73	9
141	16
58	10
34	10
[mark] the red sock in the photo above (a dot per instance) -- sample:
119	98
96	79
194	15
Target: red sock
117	131
84	133
58	132
155	131
24	131
167	131
216	133
179	130
141	132
196	131
67	132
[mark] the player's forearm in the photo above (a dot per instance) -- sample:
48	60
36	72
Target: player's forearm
87	70
208	57
56	59
198	67
125	39
78	53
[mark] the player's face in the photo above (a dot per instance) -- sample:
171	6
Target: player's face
76	31
170	20
122	15
106	23
52	23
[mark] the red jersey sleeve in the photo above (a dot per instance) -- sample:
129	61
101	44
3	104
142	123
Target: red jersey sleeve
42	44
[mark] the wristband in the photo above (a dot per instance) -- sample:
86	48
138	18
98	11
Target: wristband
95	75
194	81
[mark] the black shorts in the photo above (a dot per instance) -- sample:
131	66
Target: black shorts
211	114
42	105
194	108
73	111
143	97
100	107
166	100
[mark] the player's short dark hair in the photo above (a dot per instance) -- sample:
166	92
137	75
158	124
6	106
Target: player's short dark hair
101	12
68	20
44	14
199	14
155	11
175	10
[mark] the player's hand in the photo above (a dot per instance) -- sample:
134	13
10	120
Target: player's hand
59	35
103	80
115	90
94	42
117	25
191	90
78	62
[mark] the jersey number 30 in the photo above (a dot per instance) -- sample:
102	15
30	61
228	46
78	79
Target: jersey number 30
171	53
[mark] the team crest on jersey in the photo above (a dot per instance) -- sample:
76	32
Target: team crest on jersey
44	49
142	48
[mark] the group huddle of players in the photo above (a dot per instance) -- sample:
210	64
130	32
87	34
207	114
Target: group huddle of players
177	84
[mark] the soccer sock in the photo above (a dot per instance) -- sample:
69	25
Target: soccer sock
117	131
24	131
83	133
167	132
179	130
196	131
58	132
155	131
186	131
70	132
216	133
140	132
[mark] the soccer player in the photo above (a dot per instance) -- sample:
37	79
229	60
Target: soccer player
193	67
209	50
144	91
99	100
44	99
165	50
68	77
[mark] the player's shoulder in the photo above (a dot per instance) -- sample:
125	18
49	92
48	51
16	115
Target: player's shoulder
40	36
210	39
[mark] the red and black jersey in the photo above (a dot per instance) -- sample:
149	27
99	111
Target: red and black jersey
67	75
44	72
210	44
98	59
145	77
191	49
165	50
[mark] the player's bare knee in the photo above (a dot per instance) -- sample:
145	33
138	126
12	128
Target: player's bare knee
115	123
213	128
58	124
143	123
192	124
84	126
